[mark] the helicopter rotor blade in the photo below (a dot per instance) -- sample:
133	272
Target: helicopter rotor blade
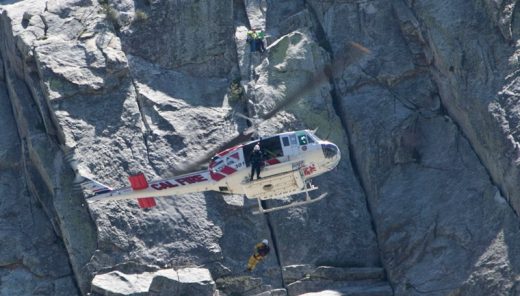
255	122
197	165
353	52
252	130
244	116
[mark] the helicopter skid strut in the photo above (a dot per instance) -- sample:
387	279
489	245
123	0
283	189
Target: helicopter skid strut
308	200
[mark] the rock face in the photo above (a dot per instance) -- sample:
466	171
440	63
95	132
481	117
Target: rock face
186	281
195	37
420	96
431	197
343	281
31	250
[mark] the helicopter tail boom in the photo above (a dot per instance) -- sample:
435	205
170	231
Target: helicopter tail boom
98	191
145	191
92	187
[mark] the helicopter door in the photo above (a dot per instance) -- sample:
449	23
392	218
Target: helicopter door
273	150
289	145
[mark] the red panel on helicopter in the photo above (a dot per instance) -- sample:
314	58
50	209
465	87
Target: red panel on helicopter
216	176
227	170
138	181
146	202
235	156
272	161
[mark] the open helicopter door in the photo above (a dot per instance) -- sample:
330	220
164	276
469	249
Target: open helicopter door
281	185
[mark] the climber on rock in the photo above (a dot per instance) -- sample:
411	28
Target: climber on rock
259	40
251	39
261	250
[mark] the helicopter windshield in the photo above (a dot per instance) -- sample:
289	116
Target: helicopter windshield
306	137
312	137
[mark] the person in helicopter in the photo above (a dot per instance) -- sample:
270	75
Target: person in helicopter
256	159
261	251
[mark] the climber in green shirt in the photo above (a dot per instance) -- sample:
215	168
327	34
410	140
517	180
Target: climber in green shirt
251	39
259	40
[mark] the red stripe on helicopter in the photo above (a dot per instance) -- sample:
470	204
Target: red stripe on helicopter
146	202
228	170
235	156
101	190
216	176
138	181
272	161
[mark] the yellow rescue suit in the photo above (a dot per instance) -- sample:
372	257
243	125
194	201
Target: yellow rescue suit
261	250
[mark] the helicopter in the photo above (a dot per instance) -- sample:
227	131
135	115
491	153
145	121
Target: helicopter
292	159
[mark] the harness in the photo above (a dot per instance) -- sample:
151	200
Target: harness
262	251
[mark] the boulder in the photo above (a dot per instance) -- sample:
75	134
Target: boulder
294	273
242	285
275	292
116	283
186	281
347	280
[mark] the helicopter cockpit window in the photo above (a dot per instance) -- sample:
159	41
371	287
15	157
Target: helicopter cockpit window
302	139
310	138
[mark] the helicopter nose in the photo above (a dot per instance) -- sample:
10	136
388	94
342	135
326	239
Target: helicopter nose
330	150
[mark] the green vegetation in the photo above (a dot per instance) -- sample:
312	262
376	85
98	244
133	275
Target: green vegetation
236	91
111	14
140	16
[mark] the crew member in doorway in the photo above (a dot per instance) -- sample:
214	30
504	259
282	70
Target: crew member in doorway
261	250
256	160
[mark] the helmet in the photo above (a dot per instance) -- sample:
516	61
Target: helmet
265	242
257	147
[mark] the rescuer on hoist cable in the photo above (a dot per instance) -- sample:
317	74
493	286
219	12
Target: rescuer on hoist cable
261	250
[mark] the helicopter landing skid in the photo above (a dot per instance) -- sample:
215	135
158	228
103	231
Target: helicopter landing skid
308	200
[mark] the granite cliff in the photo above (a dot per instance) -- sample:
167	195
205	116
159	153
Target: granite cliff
424	202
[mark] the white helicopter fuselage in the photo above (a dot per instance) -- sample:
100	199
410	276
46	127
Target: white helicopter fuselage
291	159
